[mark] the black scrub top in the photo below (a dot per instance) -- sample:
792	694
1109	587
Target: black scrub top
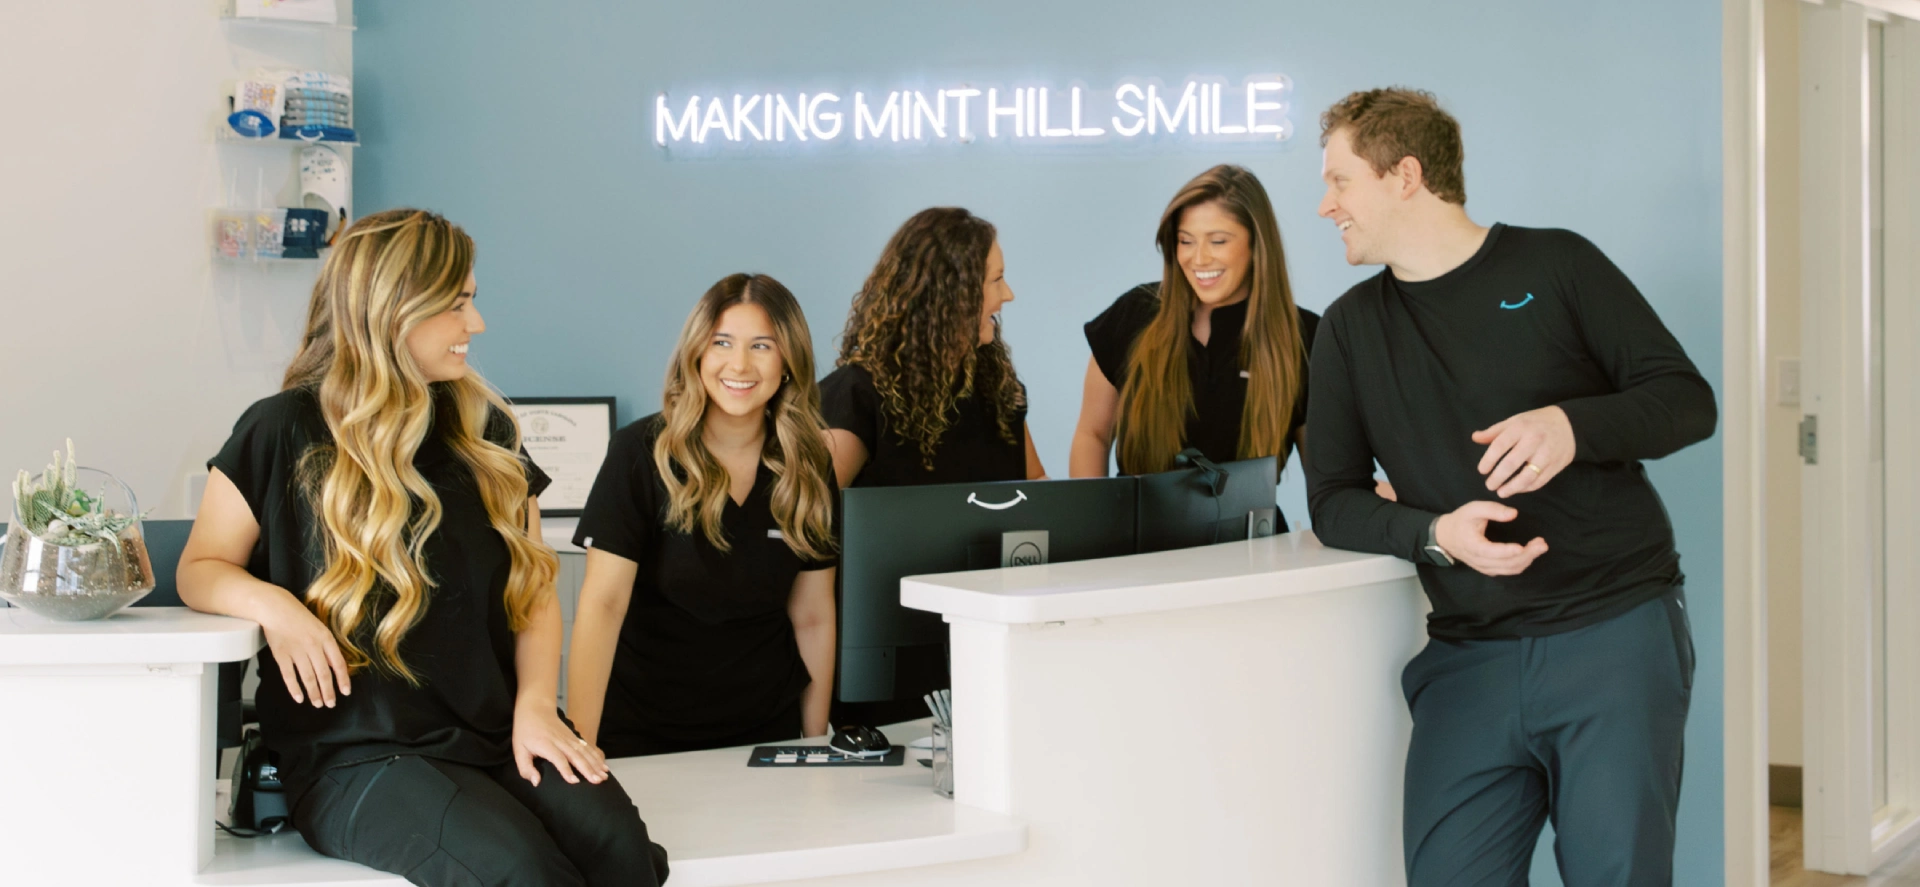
1219	382
707	650
461	649
971	450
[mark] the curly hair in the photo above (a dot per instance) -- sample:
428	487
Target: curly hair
915	327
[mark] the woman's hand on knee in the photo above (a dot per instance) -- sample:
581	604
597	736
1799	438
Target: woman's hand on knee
540	734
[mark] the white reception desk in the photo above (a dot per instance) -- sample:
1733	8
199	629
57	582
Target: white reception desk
1219	715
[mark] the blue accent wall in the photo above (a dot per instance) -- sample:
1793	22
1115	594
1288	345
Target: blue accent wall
531	125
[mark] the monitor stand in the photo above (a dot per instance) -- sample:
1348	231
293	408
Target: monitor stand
892	694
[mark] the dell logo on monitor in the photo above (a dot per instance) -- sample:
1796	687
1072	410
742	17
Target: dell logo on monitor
1023	549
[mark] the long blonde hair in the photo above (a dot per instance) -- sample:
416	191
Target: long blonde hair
1156	396
389	272
795	449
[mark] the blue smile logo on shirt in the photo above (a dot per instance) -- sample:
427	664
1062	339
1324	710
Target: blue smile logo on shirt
1520	304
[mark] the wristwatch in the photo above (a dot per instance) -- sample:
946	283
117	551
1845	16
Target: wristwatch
1436	555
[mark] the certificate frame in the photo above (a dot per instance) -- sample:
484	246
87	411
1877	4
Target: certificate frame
570	459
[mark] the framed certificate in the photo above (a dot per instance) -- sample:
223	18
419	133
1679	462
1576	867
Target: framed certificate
567	437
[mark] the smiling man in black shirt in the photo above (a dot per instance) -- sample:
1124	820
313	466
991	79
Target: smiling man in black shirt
1510	381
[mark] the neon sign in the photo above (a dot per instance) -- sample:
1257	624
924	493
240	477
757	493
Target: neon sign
1134	110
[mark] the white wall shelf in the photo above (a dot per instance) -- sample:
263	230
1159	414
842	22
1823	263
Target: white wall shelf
226	136
311	263
271	178
275	24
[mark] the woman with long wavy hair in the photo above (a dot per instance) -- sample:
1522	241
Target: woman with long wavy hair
925	391
706	615
376	518
1213	356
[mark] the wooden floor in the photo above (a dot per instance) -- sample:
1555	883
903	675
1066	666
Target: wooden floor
1903	871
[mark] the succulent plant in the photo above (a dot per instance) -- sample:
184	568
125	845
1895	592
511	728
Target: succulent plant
56	509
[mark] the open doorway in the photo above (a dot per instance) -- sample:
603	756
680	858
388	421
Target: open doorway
1824	360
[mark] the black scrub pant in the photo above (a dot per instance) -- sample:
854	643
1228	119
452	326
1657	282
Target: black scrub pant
1584	727
441	824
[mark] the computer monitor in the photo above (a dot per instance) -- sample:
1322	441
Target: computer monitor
889	533
1207	503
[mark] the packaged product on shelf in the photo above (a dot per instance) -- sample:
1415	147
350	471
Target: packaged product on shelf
337	105
319	94
308	84
317	105
269	232
250	124
313	132
331	84
321	118
257	106
323	182
306	233
232	234
263	95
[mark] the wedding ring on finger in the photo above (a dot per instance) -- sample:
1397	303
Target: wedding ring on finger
1536	469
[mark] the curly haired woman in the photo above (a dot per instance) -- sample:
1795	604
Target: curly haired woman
925	392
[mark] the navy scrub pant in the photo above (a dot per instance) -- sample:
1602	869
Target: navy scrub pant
442	824
1584	728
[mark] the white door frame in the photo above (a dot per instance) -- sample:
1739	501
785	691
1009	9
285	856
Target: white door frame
1835	589
1845	831
1902	138
1744	451
1743	439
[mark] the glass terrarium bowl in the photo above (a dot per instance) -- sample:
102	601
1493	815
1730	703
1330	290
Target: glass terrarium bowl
73	580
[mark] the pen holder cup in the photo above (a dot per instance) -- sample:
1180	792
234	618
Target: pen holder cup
943	760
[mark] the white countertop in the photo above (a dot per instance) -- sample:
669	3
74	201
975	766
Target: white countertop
138	635
724	823
1289	564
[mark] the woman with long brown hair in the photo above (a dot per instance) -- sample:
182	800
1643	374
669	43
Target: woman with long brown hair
1214	355
925	391
706	615
376	518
